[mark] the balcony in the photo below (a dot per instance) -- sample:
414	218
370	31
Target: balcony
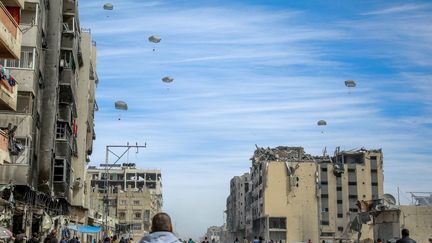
10	34
17	174
69	7
4	148
8	95
68	86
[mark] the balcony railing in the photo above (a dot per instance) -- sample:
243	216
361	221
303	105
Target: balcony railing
10	35
8	91
8	21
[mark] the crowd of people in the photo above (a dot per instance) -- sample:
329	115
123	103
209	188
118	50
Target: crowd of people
161	232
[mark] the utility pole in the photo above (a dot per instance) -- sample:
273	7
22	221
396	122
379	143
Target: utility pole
108	167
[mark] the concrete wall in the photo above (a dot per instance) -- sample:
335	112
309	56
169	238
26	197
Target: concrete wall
418	219
294	200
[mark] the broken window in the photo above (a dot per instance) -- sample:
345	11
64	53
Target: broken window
61	171
59	168
151	185
277	223
151	177
130	176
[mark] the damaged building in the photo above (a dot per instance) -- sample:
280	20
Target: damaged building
46	119
134	196
294	196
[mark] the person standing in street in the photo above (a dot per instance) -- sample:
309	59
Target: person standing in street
405	237
161	230
256	240
205	240
245	240
34	238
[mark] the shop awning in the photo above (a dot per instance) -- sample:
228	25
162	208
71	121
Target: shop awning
84	228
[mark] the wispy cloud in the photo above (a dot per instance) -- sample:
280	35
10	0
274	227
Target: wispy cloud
247	74
399	9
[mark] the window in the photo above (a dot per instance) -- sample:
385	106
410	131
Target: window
136	202
354	210
62	171
352	197
374	183
325	223
26	60
147	215
136	227
340	229
352	183
59	165
328	234
123	202
67	60
61	130
324	182
137	215
340	215
122	215
339	201
339	188
324	195
324	169
277	223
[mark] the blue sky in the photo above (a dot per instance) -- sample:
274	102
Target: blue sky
261	72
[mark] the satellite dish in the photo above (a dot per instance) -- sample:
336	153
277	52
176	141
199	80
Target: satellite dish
389	199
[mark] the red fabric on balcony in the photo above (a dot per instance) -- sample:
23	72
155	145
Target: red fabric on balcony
5	84
15	12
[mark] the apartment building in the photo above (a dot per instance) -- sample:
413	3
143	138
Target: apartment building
345	178
40	158
236	210
134	196
295	196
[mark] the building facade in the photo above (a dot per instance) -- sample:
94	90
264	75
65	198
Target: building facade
134	196
345	178
294	196
236	210
41	166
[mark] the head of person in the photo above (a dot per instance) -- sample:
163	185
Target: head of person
255	237
54	232
161	222
405	232
379	241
